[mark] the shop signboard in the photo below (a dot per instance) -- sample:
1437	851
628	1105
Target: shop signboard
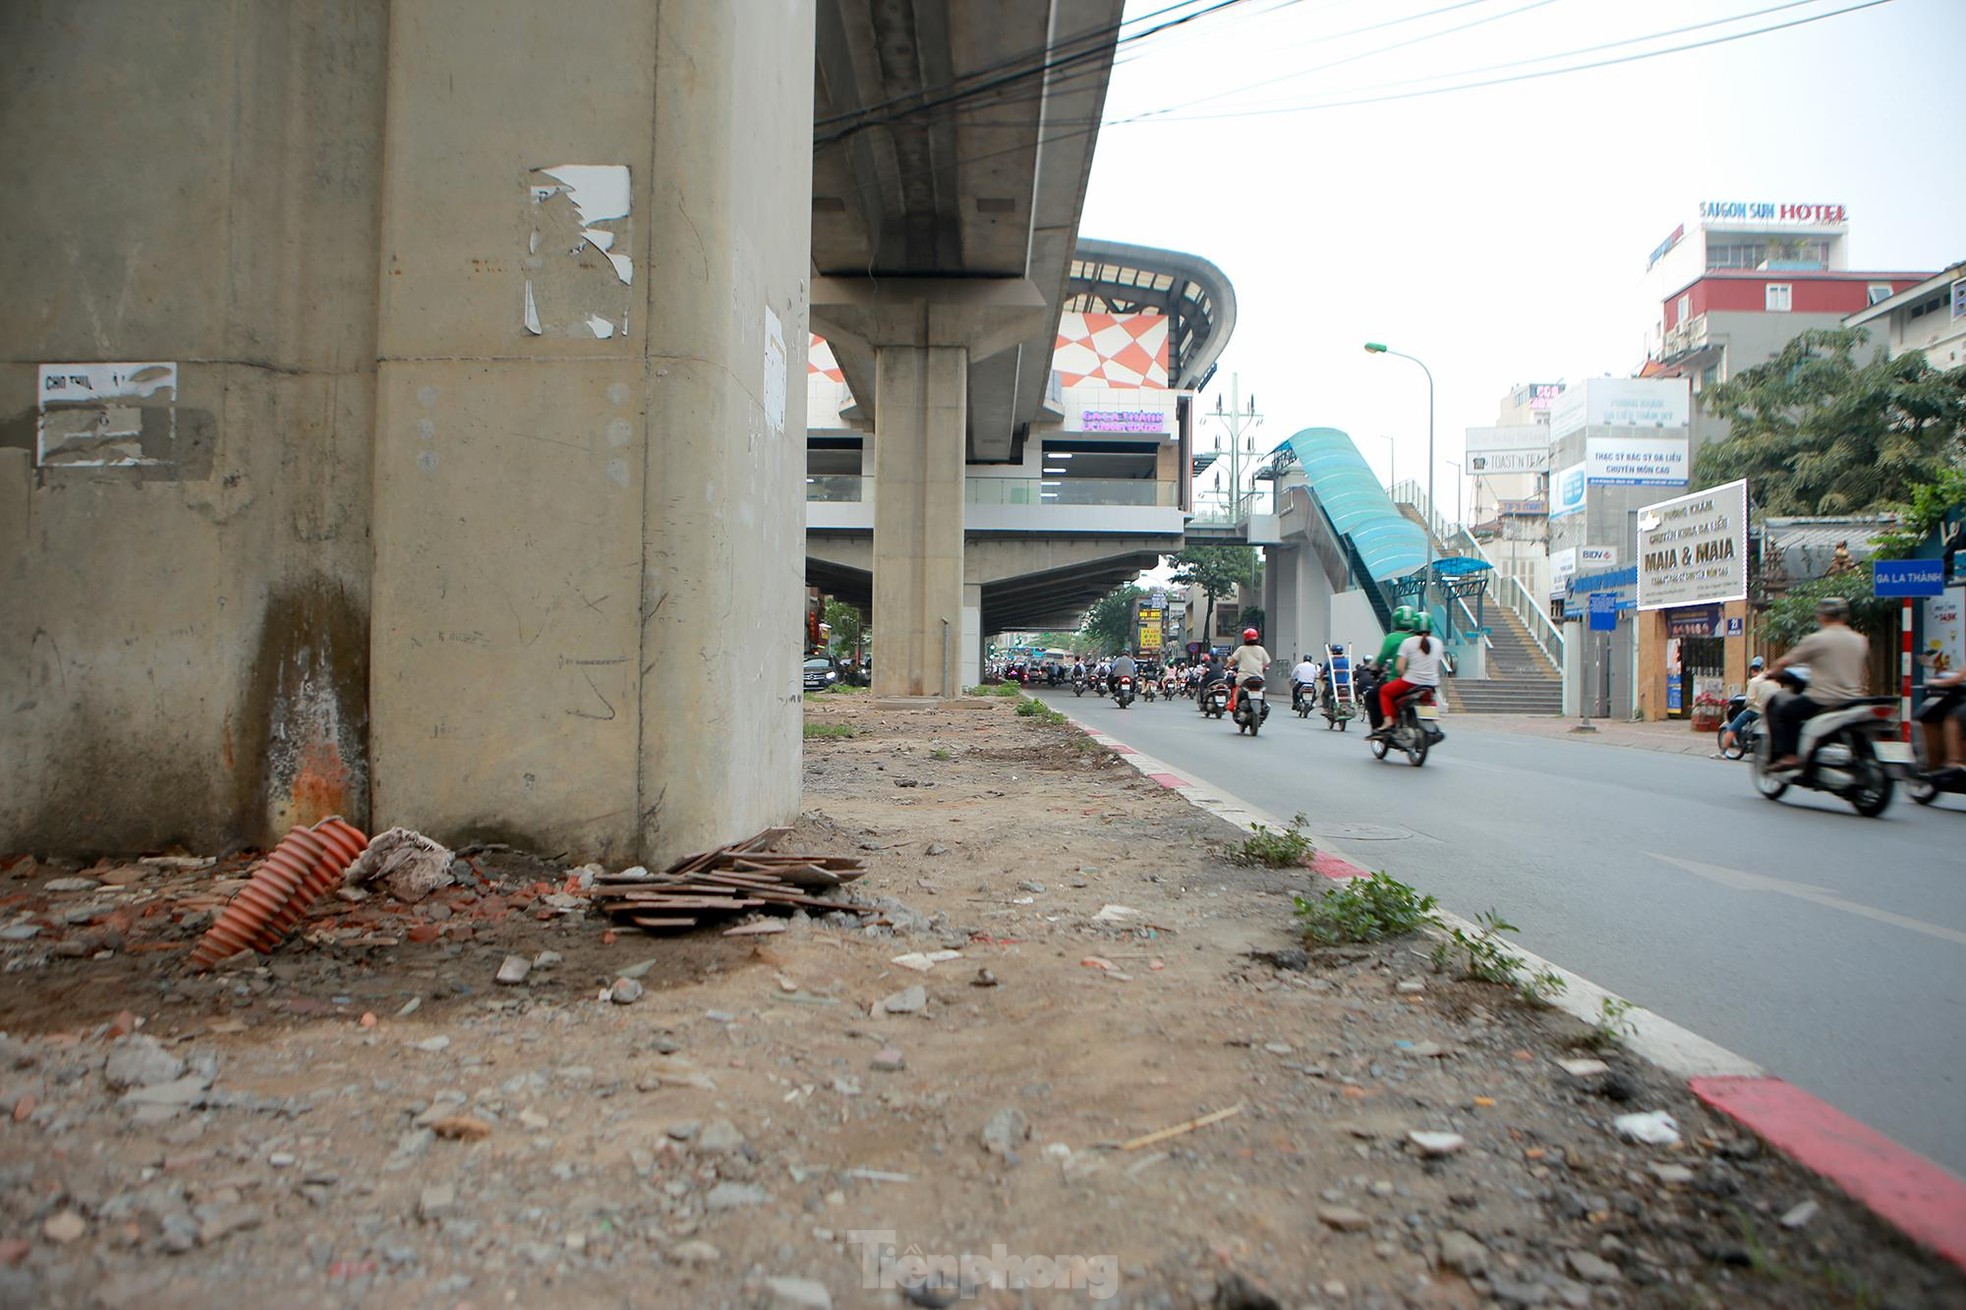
1563	567
1568	490
1694	621
1945	633
1636	461
1694	549
1519	448
1622	403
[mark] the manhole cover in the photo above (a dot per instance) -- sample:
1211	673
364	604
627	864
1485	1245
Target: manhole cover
1363	832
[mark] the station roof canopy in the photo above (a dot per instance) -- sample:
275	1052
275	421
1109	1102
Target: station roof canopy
1338	476
1109	277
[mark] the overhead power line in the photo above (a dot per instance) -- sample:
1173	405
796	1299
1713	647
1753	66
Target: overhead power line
1151	119
1351	101
913	105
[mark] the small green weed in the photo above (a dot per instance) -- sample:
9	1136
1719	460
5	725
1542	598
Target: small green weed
1487	959
941	753
1007	689
1612	1026
830	730
1037	709
1364	910
1275	850
1542	987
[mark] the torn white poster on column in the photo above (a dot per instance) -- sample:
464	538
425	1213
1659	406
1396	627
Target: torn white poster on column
578	273
106	415
772	394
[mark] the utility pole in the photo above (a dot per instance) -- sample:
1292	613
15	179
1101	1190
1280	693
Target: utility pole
1239	420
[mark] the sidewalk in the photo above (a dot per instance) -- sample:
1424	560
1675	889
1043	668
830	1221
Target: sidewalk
1674	737
1052	1052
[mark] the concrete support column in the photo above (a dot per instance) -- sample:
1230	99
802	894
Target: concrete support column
918	518
972	650
922	334
1280	603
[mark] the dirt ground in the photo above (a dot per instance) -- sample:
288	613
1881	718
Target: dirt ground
758	1129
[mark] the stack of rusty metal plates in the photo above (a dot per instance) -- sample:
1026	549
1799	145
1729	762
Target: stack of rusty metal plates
726	883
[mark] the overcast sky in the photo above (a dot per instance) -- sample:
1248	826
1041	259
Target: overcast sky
1500	234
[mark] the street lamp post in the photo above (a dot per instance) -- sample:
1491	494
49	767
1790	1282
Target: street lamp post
1379	348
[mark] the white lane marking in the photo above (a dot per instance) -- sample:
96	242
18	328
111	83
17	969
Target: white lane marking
1741	880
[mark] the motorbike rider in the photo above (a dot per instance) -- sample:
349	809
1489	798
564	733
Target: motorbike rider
1838	660
1303	679
1123	667
1943	712
1406	622
1416	665
1248	660
1078	668
1213	672
1760	690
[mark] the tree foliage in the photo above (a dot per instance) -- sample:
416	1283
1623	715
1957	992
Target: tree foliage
1793	616
1931	506
844	620
1217	570
1826	428
1108	626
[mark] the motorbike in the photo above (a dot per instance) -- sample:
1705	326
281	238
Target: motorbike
1415	727
1213	699
1301	697
1744	742
1078	684
1149	688
1925	785
1251	708
1928	782
1123	690
1365	689
1170	687
1851	751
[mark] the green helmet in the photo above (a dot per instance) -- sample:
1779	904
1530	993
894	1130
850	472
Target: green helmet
1404	619
1423	622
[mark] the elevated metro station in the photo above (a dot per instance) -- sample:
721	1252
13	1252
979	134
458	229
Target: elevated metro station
1092	489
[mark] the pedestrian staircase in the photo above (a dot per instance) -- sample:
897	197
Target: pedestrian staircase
1520	678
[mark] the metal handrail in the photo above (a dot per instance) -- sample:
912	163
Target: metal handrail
1509	592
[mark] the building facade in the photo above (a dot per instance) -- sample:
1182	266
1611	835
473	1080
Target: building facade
1928	316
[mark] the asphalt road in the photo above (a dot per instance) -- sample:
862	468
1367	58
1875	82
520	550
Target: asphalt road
1829	948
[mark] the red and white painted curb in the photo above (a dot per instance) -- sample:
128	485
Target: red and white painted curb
1920	1199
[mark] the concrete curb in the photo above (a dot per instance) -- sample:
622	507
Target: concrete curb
1921	1200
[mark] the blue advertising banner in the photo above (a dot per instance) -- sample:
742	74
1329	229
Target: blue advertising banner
1603	611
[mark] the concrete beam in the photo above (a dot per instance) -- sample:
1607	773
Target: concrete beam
984	316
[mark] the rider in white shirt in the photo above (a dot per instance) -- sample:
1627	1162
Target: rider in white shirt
1305	675
1419	666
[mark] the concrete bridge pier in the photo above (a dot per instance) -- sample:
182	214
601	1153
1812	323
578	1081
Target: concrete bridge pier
922	335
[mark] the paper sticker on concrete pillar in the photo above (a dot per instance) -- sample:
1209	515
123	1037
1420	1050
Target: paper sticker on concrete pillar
773	391
106	415
579	278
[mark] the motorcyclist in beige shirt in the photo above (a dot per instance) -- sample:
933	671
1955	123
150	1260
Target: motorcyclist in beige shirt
1248	660
1839	665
